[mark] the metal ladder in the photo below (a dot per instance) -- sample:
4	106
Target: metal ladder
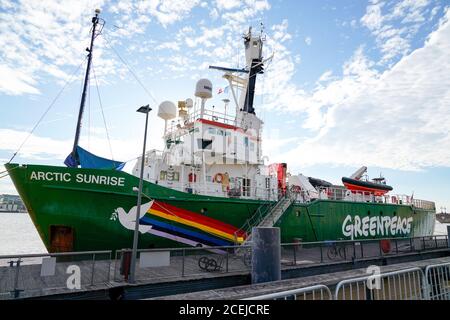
266	220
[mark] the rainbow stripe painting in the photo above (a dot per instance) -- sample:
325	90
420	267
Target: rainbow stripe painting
189	227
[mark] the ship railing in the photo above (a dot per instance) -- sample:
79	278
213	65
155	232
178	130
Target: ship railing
213	115
333	193
409	200
28	275
218	190
208	114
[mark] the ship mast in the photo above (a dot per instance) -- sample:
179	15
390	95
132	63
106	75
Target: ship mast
95	21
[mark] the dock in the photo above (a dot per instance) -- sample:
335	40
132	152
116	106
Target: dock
183	276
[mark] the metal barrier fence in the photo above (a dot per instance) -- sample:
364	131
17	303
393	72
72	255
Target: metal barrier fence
406	284
317	292
437	282
398	285
38	274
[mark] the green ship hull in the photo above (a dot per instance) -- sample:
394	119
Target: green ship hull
90	209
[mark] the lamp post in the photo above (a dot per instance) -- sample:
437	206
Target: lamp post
144	109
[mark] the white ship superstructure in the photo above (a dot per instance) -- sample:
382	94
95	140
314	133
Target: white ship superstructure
216	153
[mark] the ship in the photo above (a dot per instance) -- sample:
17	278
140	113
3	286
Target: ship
209	186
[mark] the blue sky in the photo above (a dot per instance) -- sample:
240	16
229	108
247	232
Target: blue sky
351	83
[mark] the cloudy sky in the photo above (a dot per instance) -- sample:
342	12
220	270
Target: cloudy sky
351	83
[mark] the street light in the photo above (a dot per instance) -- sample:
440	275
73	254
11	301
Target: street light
144	109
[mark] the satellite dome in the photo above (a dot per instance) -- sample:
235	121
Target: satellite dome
167	110
189	103
203	89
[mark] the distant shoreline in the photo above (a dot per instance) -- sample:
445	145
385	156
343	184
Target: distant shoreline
13	211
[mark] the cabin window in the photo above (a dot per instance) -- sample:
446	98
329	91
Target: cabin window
252	146
176	176
246	187
211	130
246	142
220	132
267	183
205	144
208	179
162	175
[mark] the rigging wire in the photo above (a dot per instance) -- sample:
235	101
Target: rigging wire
110	46
89	114
103	114
69	81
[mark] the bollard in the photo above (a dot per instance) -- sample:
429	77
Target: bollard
125	263
266	254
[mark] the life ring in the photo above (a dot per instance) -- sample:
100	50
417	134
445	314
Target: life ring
218	178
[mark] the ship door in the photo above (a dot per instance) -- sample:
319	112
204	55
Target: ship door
61	239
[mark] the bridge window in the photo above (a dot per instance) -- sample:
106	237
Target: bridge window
204	144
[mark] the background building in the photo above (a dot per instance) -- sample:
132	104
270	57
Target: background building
11	203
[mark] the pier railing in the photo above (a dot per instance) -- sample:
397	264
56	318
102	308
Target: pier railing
30	275
211	261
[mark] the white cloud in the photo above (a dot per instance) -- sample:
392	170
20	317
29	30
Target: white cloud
394	119
44	38
16	82
308	41
228	4
407	15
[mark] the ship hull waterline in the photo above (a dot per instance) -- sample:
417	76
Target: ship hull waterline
90	209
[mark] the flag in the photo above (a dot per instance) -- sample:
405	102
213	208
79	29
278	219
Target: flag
223	90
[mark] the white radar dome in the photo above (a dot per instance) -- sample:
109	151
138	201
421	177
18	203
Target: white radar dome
167	110
203	89
189	103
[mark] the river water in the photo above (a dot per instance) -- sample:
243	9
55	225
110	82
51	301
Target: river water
19	236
